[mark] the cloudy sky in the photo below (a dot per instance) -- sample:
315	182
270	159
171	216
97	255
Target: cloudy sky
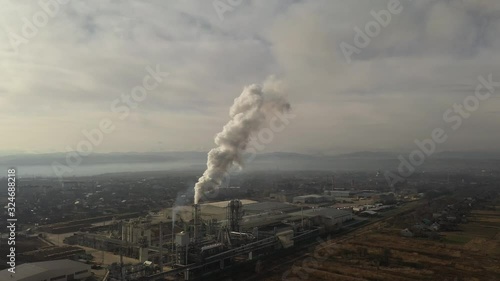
63	77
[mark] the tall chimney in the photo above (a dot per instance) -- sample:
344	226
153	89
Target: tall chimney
196	222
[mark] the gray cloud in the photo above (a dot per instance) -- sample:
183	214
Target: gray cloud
395	90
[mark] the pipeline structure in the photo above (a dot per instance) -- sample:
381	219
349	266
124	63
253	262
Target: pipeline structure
207	248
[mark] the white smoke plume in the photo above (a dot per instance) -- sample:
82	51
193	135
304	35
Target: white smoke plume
247	115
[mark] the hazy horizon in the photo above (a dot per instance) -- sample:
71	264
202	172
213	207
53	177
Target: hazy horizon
42	165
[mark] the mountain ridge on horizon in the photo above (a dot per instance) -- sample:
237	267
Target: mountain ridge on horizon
172	156
99	163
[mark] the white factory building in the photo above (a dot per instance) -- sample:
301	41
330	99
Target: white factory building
311	199
59	270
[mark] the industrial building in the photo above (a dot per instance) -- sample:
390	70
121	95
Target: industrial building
203	250
249	233
130	238
261	207
336	216
52	253
59	270
311	199
201	240
341	193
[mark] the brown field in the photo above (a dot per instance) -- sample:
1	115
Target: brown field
378	252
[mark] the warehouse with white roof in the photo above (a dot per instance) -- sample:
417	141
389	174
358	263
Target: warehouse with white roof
58	270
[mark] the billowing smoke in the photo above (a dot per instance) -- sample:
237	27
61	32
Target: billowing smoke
247	115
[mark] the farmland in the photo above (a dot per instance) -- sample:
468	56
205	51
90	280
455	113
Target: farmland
380	252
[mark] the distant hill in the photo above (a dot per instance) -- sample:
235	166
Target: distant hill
368	154
365	160
102	158
467	155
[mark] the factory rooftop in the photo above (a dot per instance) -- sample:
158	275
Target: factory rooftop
47	270
223	204
270	206
324	212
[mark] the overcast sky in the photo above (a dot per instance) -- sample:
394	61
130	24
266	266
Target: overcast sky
396	89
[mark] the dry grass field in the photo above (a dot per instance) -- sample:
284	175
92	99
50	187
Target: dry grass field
378	252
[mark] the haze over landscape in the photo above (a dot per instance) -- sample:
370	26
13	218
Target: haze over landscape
40	165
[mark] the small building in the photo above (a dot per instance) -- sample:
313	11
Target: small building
311	199
59	270
358	209
286	238
435	227
406	233
369	213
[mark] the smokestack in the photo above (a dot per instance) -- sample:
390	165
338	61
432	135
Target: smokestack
247	115
196	222
234	214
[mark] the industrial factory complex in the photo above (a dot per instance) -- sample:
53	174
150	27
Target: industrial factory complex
124	239
189	242
199	240
154	237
